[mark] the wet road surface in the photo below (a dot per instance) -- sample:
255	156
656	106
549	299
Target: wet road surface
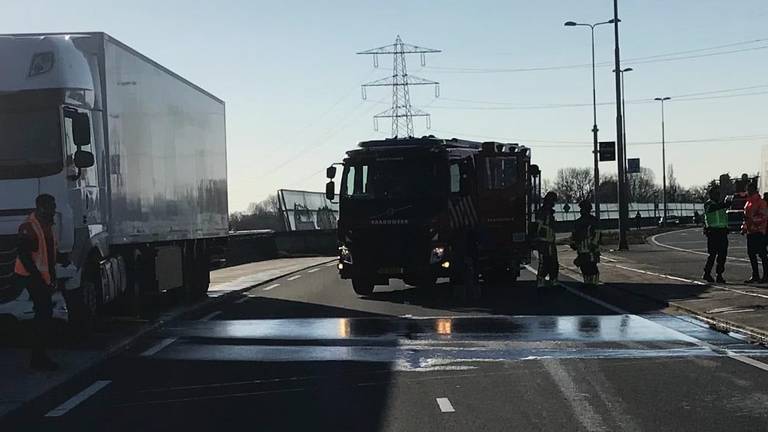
307	354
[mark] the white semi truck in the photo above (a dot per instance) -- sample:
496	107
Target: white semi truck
134	154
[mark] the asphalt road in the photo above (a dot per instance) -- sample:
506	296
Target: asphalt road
306	353
686	253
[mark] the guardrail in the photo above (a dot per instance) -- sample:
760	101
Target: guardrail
249	246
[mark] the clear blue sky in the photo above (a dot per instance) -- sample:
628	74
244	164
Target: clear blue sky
290	77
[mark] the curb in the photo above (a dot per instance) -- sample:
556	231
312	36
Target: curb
127	342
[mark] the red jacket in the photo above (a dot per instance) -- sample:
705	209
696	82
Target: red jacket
755	215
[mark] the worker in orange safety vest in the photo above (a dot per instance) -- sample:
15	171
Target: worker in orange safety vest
35	271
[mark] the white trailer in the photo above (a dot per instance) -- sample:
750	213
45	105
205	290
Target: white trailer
134	154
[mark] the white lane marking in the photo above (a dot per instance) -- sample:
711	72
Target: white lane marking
749	361
273	286
716	349
445	405
293	278
658	243
78	398
578	293
578	400
158	346
331	264
314	270
695	282
243	300
210	316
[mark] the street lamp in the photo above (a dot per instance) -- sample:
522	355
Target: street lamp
624	111
663	160
594	109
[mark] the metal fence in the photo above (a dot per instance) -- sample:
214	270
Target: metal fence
307	211
611	210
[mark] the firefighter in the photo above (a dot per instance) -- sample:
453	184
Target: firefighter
754	227
716	230
545	242
35	271
585	240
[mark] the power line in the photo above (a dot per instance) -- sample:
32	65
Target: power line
659	58
504	106
578	144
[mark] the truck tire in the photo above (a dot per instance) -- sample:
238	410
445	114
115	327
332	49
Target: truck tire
83	302
469	288
363	287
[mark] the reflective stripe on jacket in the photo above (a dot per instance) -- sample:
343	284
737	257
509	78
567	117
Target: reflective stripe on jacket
40	256
545	230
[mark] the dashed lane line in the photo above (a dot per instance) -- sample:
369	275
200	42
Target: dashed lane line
243	300
293	278
158	346
331	264
445	405
271	287
210	316
726	352
314	270
78	398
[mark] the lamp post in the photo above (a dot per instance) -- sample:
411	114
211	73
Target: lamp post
594	111
663	160
624	111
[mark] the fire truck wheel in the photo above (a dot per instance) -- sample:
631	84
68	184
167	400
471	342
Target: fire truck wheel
362	286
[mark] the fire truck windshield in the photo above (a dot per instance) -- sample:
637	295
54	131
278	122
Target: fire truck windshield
500	172
392	178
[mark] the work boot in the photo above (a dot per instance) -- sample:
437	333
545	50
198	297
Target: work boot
540	283
708	277
42	362
753	279
720	279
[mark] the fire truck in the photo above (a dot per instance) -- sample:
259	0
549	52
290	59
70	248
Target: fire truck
419	209
735	192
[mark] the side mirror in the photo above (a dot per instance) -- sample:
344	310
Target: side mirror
330	191
83	159
330	172
81	130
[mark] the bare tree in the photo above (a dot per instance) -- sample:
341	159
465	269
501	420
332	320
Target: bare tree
642	187
573	184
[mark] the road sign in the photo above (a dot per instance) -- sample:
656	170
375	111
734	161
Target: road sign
607	151
633	166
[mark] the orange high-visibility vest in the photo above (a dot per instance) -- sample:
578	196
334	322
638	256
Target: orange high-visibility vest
39	257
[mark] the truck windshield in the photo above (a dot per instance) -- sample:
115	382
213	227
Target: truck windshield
500	173
392	178
30	143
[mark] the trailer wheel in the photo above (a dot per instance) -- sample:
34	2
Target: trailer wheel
363	287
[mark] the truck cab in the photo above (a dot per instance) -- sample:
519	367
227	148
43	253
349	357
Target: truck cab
419	209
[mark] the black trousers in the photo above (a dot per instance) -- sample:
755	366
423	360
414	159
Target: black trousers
43	307
587	263
717	248
755	248
548	263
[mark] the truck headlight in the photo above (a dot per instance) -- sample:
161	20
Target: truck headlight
437	255
345	255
